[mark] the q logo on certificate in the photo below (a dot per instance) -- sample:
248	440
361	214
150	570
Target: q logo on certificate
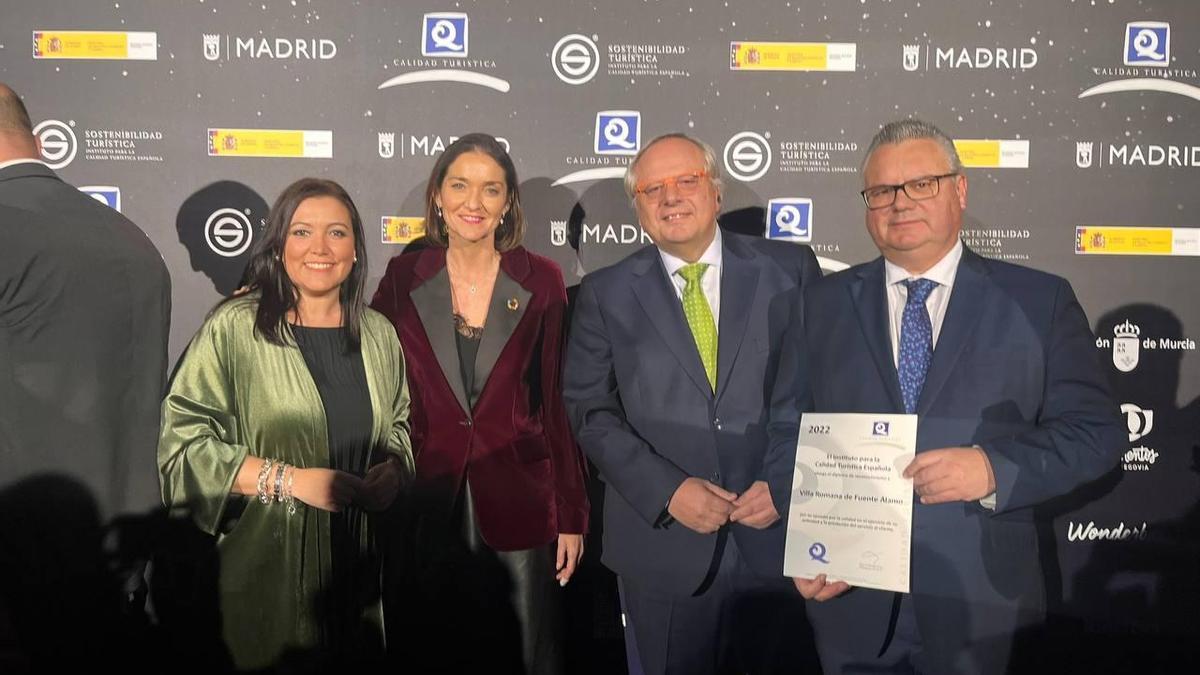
851	512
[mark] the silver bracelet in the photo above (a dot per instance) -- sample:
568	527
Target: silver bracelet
279	481
263	472
288	496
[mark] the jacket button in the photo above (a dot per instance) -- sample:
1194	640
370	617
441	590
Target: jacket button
465	423
717	423
716	478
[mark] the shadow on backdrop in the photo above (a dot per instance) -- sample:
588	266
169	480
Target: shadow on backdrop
1126	601
218	225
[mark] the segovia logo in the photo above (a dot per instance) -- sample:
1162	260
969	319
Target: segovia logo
575	59
1140	458
1139	421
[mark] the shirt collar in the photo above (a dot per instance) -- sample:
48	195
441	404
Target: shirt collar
711	256
943	272
22	160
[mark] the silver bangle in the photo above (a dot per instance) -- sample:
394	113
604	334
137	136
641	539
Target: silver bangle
288	496
279	481
263	472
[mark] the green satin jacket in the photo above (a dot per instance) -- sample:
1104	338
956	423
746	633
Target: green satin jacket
237	394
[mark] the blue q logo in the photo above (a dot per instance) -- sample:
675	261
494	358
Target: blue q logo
880	429
444	34
790	219
109	195
1148	43
817	552
618	132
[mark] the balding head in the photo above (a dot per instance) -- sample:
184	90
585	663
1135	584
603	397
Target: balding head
16	129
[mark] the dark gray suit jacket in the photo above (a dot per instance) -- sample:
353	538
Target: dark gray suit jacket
644	412
85	306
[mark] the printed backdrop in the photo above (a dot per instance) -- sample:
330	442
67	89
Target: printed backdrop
1079	121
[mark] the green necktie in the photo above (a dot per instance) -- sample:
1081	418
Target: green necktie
700	319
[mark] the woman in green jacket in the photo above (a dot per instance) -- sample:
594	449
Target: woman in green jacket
286	423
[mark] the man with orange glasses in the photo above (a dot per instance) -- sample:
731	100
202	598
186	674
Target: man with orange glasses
681	392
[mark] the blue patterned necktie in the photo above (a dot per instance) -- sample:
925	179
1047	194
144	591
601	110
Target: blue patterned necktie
916	342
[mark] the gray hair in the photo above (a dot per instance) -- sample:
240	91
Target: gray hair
711	167
912	130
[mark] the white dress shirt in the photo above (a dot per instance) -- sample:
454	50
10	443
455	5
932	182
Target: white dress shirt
710	283
21	160
897	295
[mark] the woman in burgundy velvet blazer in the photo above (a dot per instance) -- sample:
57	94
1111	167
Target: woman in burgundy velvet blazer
526	474
499	476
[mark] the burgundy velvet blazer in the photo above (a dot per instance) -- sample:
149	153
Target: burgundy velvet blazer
510	435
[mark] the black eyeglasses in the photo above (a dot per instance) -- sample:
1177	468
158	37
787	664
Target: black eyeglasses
917	189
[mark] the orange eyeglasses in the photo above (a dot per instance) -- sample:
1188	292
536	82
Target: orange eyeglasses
685	184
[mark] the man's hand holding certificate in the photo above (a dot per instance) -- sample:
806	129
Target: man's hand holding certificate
851	511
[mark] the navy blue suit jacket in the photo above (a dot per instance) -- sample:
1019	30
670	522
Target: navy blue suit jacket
1015	371
644	412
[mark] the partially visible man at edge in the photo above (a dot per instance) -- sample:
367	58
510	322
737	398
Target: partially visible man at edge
85	305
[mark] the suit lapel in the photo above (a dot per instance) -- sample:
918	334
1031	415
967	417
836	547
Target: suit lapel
870	303
665	312
967	300
739	283
432	300
509	302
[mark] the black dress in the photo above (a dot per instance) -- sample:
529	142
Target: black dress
341	380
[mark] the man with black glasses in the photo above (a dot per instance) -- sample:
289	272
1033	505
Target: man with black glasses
998	363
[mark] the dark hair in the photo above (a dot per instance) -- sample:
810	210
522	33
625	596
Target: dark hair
265	272
512	231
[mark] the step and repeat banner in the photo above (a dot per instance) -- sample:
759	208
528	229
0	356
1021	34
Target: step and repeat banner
1078	120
